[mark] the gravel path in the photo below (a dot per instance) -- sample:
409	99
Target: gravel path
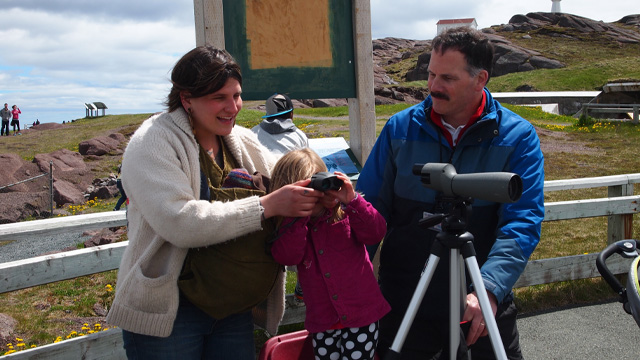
28	248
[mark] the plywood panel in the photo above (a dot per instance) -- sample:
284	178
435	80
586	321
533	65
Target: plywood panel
286	33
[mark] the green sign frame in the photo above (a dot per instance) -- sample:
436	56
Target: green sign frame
299	82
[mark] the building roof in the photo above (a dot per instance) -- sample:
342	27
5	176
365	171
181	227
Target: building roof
456	21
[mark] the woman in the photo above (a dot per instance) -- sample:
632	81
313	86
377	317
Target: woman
172	171
15	112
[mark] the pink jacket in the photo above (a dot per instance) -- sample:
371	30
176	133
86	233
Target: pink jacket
16	113
333	266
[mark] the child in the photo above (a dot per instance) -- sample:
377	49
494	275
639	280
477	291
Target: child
341	292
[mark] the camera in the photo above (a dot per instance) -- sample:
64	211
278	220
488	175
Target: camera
324	181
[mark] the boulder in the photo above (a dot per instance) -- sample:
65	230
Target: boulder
65	192
7	326
103	192
104	236
14	170
101	145
63	161
16	206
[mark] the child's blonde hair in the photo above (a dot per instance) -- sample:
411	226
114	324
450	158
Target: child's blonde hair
299	165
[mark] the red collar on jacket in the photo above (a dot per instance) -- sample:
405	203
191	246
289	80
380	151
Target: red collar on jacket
437	119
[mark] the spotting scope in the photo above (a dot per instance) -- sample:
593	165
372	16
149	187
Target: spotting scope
502	187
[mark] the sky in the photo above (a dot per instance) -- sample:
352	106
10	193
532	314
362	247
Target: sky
57	55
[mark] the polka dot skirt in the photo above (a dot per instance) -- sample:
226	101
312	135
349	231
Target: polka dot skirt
346	344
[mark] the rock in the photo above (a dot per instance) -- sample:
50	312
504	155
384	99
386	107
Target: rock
15	170
104	192
101	145
63	161
319	103
65	192
104	237
99	310
540	62
7	325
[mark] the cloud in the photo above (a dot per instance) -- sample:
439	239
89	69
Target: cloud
59	54
58	63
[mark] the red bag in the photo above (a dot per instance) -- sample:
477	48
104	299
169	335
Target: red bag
291	346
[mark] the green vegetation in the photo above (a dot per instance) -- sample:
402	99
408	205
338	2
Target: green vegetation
592	60
587	76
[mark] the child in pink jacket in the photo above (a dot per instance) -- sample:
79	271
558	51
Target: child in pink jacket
341	293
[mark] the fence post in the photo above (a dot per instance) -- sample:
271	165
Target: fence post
51	186
619	227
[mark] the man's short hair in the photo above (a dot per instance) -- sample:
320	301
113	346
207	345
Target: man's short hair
473	44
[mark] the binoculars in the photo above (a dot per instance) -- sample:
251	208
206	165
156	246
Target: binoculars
324	181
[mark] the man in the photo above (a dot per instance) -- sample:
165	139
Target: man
277	132
459	123
5	114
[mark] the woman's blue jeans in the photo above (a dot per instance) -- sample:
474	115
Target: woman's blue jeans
196	335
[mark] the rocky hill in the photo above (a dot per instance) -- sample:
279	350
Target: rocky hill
401	60
396	61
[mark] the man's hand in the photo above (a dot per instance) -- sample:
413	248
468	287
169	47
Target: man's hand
473	314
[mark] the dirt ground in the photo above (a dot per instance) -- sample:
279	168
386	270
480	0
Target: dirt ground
561	142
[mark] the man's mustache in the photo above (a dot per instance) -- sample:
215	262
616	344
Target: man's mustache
439	95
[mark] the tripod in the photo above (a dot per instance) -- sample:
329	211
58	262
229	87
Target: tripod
459	242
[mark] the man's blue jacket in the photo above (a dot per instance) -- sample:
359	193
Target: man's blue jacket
505	234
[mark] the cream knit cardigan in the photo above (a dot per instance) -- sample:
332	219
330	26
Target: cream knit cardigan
161	176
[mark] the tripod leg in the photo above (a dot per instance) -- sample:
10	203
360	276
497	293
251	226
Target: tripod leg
455	292
412	309
485	306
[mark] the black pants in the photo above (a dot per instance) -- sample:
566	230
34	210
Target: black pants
430	339
5	125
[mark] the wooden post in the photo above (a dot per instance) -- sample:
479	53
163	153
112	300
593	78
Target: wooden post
619	227
209	22
51	187
362	111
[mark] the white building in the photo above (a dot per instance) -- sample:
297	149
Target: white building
453	23
555	6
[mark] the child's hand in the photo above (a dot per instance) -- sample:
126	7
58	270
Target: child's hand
346	193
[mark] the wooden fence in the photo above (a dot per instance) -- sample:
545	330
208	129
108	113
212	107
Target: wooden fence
619	207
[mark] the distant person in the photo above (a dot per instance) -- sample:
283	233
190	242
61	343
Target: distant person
277	131
15	122
5	114
344	302
123	195
37	122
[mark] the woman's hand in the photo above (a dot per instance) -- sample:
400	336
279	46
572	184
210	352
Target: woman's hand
346	193
294	200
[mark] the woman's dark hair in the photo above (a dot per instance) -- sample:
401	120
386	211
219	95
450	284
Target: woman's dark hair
202	71
473	44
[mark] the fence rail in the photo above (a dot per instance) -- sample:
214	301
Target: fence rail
619	207
612	108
